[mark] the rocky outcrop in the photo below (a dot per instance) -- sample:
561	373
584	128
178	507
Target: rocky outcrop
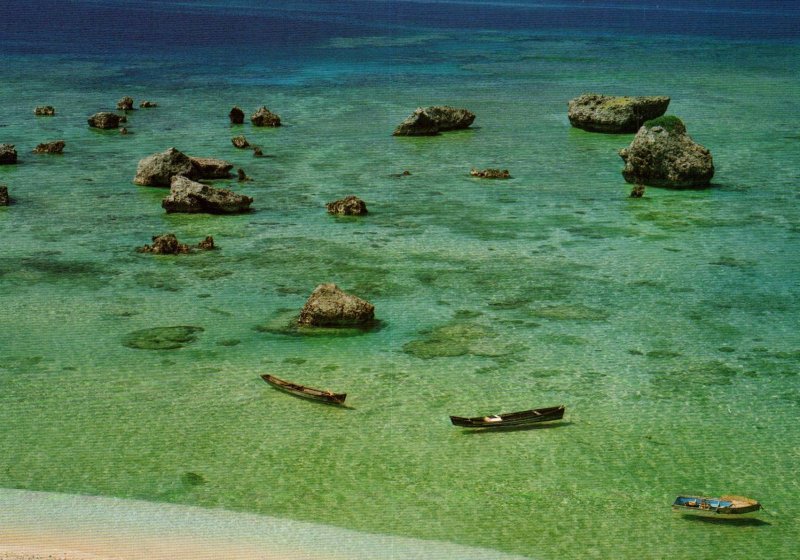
328	306
157	170
240	142
187	196
56	147
44	111
125	104
614	114
637	191
8	154
264	117
5	200
430	121
236	116
168	244
490	173
105	120
663	155
348	206
147	104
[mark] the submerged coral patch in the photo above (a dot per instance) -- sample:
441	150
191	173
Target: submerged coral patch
161	338
570	313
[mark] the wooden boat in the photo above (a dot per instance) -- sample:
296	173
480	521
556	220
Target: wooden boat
306	392
723	506
511	419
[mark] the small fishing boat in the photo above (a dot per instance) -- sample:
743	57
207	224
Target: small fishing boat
723	506
511	419
306	392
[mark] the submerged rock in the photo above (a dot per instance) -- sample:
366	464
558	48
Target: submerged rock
162	338
44	111
491	173
5	200
105	120
328	306
236	116
663	155
429	121
56	147
240	142
157	170
637	191
348	206
614	114
264	117
8	154
257	152
148	104
125	104
168	244
187	196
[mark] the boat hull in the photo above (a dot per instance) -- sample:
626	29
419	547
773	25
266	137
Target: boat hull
512	419
304	392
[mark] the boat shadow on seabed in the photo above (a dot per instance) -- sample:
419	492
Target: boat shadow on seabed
743	522
521	428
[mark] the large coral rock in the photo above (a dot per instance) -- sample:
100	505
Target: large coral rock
663	155
56	147
328	306
236	116
348	206
125	104
105	120
8	154
614	114
264	117
5	200
190	197
429	121
157	170
44	111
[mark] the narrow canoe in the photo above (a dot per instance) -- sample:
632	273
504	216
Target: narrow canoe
305	392
723	506
511	419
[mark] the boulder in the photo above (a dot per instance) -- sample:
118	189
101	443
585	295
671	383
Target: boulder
490	173
5	200
328	306
8	154
241	176
148	104
429	121
166	244
105	120
187	196
663	155
206	244
44	111
348	206
158	169
614	114
240	142
56	147
236	116
637	191
264	117
125	104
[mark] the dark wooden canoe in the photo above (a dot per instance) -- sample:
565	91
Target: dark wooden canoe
723	506
511	419
306	392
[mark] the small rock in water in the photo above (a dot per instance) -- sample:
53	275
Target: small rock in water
148	104
56	147
430	121
206	244
241	176
5	200
44	111
105	120
8	154
257	152
123	130
240	142
348	206
637	191
125	104
491	173
236	116
265	117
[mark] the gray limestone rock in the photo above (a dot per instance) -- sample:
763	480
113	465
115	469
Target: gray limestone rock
614	114
187	196
105	120
429	121
328	306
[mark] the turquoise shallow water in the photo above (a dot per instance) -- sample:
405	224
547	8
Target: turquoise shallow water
666	325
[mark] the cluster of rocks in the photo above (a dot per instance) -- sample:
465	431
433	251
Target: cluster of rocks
430	121
661	154
44	111
8	154
347	206
168	244
55	147
5	200
490	173
262	117
241	143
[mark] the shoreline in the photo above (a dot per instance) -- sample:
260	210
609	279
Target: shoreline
49	526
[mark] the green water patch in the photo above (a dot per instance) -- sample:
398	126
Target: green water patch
162	338
460	337
693	380
159	280
44	269
569	312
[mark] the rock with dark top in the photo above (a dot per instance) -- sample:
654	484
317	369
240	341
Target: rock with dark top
123	130
44	111
166	244
56	147
105	120
236	116
206	244
328	306
490	173
148	104
125	104
264	117
257	152
187	196
5	200
637	191
348	206
240	142
8	154
614	114
430	121
241	176
663	155
158	169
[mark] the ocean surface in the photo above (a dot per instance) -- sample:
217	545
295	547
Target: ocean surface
667	325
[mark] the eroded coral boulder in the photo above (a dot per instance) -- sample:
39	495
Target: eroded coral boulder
8	154
44	111
105	120
5	200
614	114
429	121
240	142
158	169
347	206
328	306
265	117
187	196
236	116
662	154
490	173
125	104
147	104
210	168
56	147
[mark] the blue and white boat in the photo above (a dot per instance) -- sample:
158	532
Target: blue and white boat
723	506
